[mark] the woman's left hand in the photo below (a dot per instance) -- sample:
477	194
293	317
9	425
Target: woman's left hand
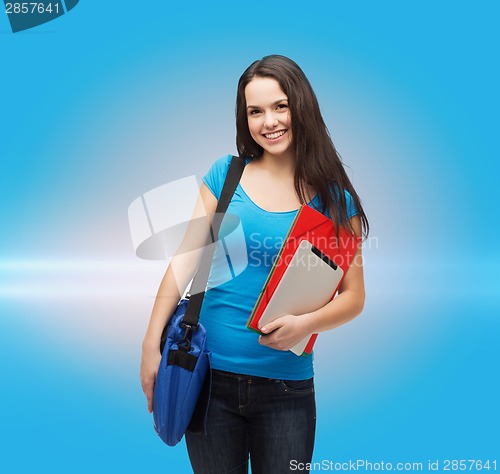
286	331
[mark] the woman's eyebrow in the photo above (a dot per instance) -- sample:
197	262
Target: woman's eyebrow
276	102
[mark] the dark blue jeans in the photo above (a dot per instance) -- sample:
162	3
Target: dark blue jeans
272	421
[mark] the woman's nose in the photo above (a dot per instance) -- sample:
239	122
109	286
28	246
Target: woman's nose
270	121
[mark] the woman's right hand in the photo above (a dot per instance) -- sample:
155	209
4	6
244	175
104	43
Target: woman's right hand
150	362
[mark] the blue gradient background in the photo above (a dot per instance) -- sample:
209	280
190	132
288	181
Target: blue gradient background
116	98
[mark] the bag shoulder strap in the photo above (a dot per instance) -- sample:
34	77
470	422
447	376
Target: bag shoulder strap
198	287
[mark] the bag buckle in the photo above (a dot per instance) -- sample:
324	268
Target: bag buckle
185	343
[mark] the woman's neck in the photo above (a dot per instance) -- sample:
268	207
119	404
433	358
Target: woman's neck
278	165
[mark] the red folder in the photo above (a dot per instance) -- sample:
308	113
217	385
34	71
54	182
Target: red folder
320	231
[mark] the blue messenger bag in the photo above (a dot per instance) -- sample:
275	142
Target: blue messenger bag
183	383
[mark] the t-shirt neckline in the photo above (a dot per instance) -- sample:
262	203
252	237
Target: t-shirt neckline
293	211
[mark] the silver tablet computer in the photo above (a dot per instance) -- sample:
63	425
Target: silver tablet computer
308	283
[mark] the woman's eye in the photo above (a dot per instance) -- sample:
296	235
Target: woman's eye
254	111
282	106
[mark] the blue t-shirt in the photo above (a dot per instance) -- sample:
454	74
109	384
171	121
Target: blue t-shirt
249	241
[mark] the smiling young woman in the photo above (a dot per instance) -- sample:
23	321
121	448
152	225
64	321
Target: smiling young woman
269	120
262	406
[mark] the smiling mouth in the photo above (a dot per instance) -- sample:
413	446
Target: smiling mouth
275	135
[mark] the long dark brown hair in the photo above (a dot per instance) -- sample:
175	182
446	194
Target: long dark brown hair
317	161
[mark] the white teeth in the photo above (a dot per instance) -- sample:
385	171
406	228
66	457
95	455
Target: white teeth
274	135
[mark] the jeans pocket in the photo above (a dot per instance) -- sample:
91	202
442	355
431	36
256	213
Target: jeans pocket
298	386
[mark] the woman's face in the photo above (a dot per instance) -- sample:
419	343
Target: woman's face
268	115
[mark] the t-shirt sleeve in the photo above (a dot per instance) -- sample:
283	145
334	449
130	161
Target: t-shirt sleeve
214	179
352	210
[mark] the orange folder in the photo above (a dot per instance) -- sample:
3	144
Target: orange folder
320	231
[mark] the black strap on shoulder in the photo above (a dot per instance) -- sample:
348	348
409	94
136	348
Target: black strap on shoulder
198	287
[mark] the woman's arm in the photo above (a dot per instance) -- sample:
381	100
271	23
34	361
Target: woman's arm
346	306
351	298
179	273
